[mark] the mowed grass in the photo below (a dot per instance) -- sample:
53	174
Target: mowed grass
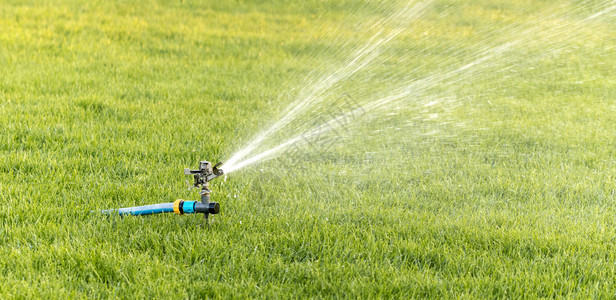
103	103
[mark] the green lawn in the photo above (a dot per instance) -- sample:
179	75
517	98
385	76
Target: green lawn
505	188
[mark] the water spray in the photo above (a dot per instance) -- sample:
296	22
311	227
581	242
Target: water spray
202	177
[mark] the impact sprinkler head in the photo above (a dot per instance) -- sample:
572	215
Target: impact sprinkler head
202	177
205	173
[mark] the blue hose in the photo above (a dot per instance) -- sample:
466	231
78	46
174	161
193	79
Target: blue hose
179	207
142	210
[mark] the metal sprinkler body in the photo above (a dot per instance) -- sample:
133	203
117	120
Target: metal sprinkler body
202	177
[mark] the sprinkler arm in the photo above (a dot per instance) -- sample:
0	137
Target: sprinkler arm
205	173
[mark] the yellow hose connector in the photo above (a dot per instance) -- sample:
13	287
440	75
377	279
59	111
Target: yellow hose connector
176	207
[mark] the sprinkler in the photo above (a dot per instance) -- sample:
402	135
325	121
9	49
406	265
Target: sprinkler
202	177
